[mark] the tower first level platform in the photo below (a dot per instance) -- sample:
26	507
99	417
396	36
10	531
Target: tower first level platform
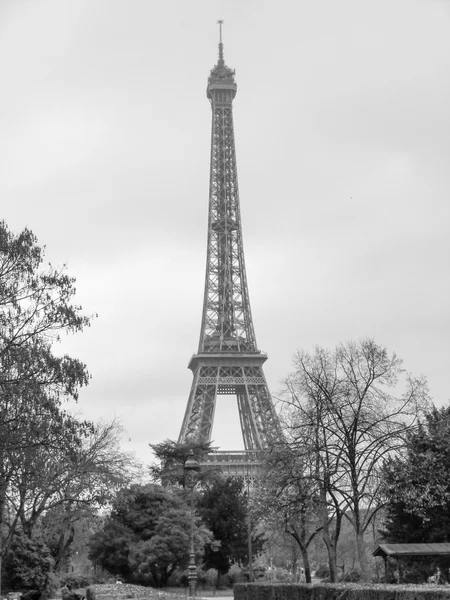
235	374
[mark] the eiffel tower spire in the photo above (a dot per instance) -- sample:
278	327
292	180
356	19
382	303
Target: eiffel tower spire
228	360
220	22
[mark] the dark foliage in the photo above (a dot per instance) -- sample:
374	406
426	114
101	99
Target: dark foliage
146	537
32	595
223	507
417	487
171	456
27	565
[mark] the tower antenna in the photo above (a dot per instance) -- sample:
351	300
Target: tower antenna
220	22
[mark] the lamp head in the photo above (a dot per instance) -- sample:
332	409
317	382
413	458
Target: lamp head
191	463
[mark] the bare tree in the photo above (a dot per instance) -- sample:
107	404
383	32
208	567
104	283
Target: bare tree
288	499
309	441
342	403
77	474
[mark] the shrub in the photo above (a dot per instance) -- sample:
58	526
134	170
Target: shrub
258	573
351	576
53	586
201	576
27	565
417	573
177	578
223	581
283	576
75	581
322	571
181	578
212	576
235	574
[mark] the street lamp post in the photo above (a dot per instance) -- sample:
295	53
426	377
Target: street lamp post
249	528
191	466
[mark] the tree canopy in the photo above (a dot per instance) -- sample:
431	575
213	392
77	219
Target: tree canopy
224	508
170	459
417	484
36	306
147	535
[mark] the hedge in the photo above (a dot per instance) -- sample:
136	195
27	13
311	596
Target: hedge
261	591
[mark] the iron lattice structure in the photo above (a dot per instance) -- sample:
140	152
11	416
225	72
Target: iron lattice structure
228	360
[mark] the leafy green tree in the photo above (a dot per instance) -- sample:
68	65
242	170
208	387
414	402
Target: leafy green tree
36	306
168	469
147	535
110	548
417	487
155	559
223	507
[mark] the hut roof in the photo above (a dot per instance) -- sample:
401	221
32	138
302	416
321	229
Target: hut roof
384	550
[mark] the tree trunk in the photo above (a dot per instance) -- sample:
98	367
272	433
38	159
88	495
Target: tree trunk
304	545
306	565
362	556
327	537
359	534
63	546
332	555
1	547
301	541
2	513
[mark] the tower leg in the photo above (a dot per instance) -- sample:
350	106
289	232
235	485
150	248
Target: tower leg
199	416
259	423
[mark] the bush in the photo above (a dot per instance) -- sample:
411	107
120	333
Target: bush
201	576
417	573
283	576
75	581
181	578
322	571
351	576
258	573
178	578
27	565
211	577
278	575
235	575
53	586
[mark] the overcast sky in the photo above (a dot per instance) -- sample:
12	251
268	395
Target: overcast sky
342	126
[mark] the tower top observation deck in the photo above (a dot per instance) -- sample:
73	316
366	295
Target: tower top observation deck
221	77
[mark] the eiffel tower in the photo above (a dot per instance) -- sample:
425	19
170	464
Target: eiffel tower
228	361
